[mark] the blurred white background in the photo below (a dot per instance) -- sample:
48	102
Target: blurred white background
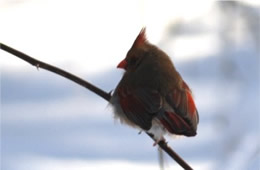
50	123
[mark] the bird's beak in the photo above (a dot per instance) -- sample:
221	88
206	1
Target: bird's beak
122	64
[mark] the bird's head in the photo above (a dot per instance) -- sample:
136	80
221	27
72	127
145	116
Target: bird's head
136	54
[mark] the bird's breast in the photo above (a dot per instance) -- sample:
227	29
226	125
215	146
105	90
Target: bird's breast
118	111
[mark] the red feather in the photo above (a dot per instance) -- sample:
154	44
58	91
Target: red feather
184	119
175	124
141	38
136	108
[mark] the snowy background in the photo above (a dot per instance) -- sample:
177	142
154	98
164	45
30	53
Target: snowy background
50	123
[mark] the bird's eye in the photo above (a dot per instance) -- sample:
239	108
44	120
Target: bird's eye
133	61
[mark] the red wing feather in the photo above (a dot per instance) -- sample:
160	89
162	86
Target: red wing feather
176	125
140	106
184	119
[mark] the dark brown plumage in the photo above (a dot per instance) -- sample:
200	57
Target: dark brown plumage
152	95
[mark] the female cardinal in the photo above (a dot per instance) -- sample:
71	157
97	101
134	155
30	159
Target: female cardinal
151	95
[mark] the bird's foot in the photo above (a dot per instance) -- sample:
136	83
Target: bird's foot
158	141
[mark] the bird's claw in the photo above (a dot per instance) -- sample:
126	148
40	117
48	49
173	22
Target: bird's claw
155	143
158	141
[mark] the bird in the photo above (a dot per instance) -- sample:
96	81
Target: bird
152	96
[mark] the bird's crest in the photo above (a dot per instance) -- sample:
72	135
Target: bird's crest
141	38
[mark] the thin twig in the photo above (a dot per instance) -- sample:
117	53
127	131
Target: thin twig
96	90
172	154
40	64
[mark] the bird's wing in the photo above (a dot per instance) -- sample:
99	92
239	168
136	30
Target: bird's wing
140	105
177	111
183	118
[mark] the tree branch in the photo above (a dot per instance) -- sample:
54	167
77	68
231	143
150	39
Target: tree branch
96	90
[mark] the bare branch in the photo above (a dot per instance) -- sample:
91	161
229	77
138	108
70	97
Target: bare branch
96	90
40	64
